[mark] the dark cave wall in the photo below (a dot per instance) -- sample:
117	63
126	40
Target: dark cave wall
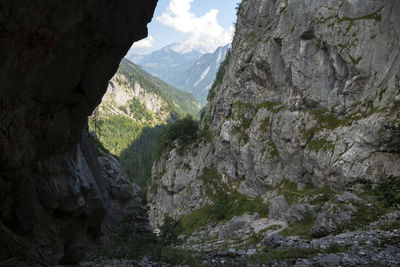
56	188
56	59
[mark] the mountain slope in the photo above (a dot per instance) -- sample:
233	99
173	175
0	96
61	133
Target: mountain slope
192	72
200	76
178	101
133	112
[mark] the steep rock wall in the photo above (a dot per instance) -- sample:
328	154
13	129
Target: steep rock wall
311	94
58	195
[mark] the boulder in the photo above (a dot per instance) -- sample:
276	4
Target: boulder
334	214
273	241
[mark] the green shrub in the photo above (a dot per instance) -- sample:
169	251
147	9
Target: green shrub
131	241
169	231
388	191
139	111
320	144
378	198
221	207
390	226
227	203
302	228
184	130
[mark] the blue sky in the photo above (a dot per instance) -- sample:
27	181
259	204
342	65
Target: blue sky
200	24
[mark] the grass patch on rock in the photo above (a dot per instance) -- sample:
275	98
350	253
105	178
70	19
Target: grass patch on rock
320	144
302	228
268	256
390	226
313	195
227	203
133	242
281	254
224	208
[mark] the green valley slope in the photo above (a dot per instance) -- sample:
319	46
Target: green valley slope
132	114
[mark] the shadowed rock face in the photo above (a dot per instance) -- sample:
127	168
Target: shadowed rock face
56	196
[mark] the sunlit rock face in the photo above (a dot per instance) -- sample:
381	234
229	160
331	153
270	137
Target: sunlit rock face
56	59
311	94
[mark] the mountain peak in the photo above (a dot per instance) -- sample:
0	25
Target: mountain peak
186	47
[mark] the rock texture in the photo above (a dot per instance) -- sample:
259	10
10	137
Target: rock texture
311	93
56	190
174	187
334	214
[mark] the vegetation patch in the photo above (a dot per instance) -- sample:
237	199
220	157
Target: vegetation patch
187	166
243	109
390	226
313	195
131	242
265	124
268	256
139	111
273	151
365	214
249	37
326	120
243	136
273	107
379	198
117	132
302	228
355	60
345	27
98	144
178	102
227	203
394	109
220	75
281	254
336	248
320	144
387	191
374	16
132	135
184	131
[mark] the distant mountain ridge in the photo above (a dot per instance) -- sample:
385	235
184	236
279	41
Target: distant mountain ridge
189	71
199	78
166	62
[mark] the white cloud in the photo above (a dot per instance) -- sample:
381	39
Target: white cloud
204	31
144	43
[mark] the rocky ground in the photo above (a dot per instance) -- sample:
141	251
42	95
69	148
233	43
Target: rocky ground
251	241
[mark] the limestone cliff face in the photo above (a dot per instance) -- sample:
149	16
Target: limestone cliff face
119	95
311	94
56	60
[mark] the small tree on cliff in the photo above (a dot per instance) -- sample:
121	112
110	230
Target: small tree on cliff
97	121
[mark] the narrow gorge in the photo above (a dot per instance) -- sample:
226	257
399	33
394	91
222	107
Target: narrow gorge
294	160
